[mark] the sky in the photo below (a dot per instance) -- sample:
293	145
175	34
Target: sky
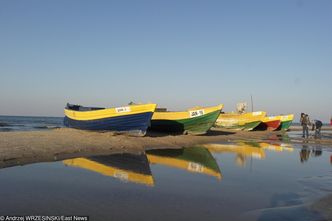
177	54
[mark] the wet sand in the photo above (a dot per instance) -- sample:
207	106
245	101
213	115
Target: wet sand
299	128
323	206
20	148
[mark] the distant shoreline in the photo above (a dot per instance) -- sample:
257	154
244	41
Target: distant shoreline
32	116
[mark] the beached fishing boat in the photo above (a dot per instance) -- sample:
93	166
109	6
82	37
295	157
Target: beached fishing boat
194	121
134	119
126	167
285	121
246	121
192	159
269	123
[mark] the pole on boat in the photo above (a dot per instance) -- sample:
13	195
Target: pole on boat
252	104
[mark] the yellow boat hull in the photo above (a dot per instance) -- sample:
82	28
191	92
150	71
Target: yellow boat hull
246	121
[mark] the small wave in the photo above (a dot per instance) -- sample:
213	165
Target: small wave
2	124
6	129
46	127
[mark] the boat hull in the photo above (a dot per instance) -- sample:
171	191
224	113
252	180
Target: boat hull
286	122
136	123
285	125
196	125
250	126
247	121
272	125
269	125
247	126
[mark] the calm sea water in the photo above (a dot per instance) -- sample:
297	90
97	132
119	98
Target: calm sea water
228	181
21	123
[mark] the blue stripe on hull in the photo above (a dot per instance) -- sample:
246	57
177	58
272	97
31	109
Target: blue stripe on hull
121	123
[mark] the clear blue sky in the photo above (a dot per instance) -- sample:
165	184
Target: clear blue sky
174	53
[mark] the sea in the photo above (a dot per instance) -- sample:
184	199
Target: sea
243	180
24	123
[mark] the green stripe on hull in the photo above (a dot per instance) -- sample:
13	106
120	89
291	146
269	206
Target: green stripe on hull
285	125
251	125
247	126
235	127
195	125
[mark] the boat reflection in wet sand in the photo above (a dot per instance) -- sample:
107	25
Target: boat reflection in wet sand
193	159
244	150
277	147
126	167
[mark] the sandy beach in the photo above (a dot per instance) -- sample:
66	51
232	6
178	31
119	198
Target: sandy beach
36	146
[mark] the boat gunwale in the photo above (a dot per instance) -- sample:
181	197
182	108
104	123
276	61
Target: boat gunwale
184	115
108	112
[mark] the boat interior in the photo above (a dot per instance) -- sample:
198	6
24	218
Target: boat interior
76	107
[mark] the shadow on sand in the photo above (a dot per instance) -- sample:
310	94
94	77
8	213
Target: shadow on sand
218	133
151	133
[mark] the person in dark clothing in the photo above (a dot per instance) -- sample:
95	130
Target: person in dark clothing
305	122
317	126
301	122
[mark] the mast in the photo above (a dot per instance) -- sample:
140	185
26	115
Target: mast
252	104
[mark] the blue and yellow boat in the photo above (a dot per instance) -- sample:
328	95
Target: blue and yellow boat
134	119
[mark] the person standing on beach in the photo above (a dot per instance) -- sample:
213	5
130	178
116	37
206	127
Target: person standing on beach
302	124
317	126
305	122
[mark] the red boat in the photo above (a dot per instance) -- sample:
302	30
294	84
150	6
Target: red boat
269	123
272	124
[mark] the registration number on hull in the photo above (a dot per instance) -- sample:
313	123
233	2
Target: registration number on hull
257	113
122	109
196	113
195	167
121	175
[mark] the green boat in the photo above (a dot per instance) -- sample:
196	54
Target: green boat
193	121
285	121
